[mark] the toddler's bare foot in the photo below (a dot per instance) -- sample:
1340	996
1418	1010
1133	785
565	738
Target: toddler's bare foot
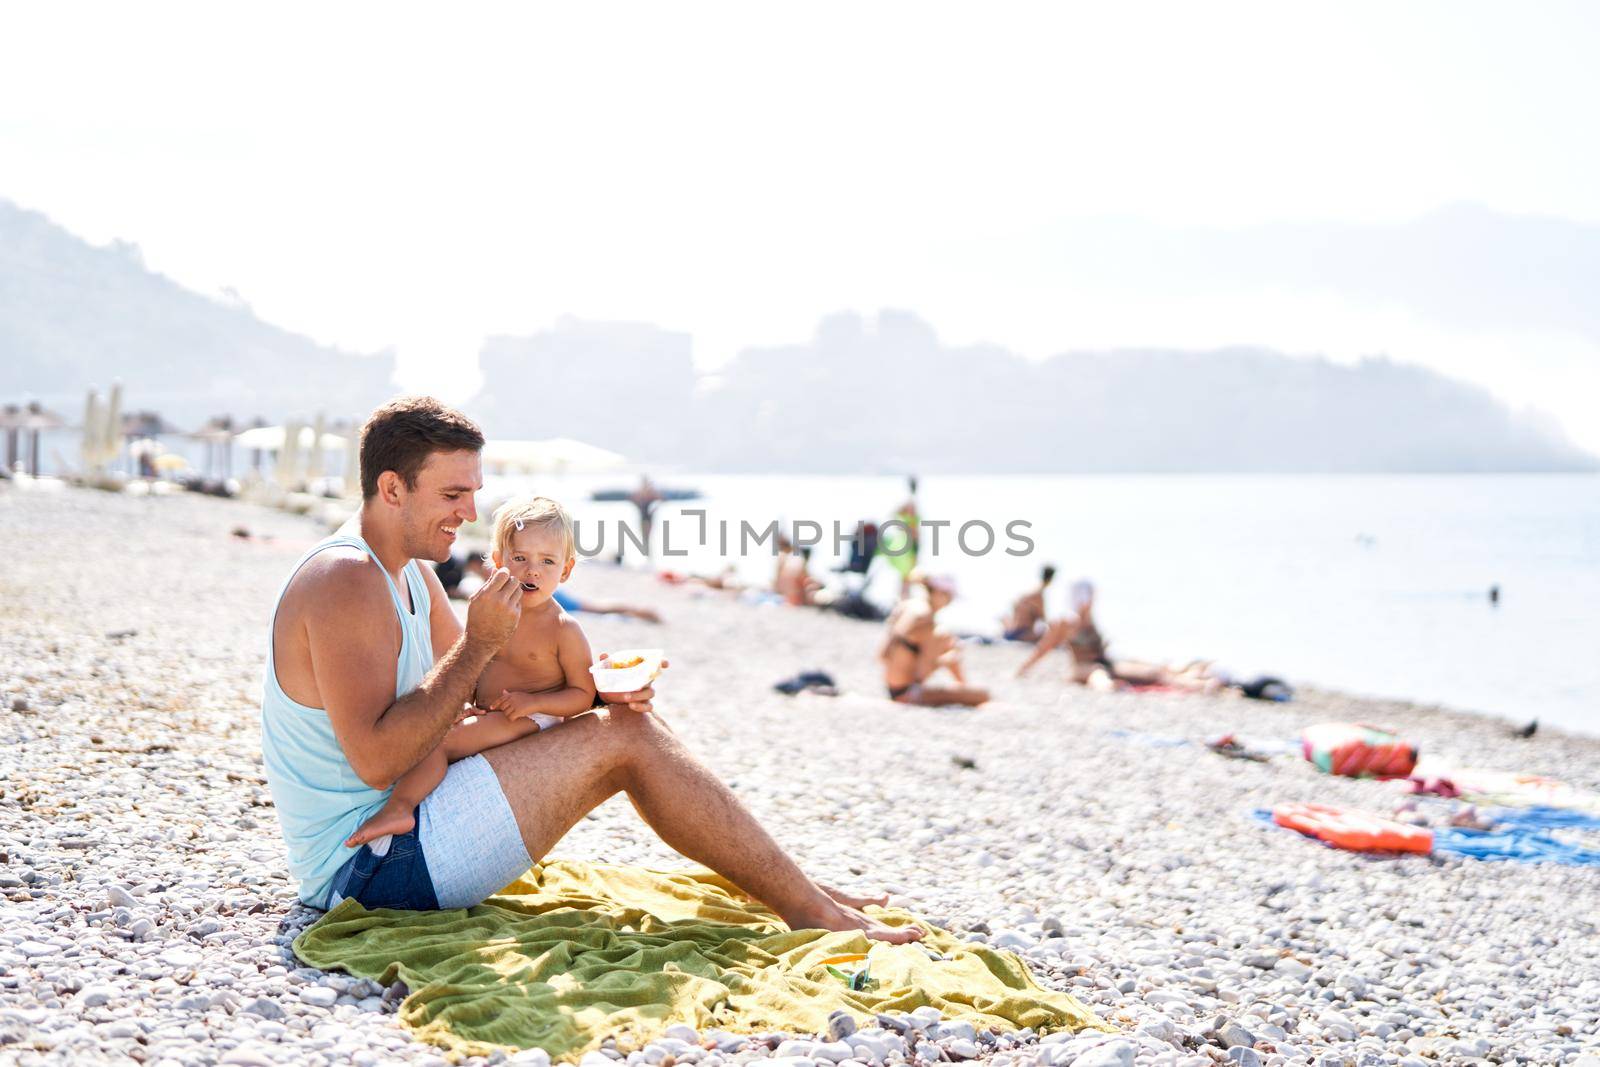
391	819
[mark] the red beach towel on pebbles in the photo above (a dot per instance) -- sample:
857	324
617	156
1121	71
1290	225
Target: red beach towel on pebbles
1357	750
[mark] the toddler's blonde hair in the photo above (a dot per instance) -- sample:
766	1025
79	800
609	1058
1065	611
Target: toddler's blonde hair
518	513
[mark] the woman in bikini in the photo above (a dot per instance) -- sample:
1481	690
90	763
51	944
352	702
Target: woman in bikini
1027	621
915	647
1092	664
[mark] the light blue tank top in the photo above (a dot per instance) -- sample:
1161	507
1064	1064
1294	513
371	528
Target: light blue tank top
320	798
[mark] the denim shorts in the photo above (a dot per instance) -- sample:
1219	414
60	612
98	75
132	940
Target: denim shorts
396	877
465	846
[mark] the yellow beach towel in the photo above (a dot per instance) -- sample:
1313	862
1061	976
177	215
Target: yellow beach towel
572	953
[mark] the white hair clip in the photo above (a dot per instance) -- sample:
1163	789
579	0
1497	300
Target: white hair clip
518	523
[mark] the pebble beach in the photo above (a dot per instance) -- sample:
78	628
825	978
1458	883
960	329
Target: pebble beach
148	913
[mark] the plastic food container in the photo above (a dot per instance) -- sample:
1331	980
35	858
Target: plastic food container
646	664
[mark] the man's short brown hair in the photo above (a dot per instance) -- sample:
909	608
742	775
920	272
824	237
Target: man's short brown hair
401	435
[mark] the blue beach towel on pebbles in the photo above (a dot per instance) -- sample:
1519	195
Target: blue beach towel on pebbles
1512	843
1539	817
1516	836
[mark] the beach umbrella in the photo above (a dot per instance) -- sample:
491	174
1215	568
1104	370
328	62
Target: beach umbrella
271	438
11	421
217	434
87	447
556	455
147	424
255	450
304	446
110	440
330	441
352	465
260	438
315	449
35	420
289	455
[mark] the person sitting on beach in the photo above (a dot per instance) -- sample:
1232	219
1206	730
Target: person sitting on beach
784	549
539	679
794	582
368	670
1026	621
915	646
1092	664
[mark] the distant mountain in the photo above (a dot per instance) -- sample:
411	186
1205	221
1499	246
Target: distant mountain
862	395
887	396
73	314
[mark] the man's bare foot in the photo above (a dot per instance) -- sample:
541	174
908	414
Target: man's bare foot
851	900
841	917
391	819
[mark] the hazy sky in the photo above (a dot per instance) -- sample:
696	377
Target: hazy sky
416	177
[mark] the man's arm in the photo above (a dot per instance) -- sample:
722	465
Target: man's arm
383	737
575	698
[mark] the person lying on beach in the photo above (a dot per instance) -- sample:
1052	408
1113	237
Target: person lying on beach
725	581
569	602
1092	664
1026	621
915	646
539	679
368	669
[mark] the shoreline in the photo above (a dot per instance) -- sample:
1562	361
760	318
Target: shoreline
319	510
1178	916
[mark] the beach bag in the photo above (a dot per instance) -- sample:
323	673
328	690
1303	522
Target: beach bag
1357	750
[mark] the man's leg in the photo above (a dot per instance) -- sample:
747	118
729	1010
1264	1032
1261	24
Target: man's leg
938	696
554	779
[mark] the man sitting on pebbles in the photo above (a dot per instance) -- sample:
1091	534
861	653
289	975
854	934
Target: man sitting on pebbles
541	676
368	670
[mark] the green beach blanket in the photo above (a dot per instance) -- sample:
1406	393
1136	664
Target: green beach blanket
572	953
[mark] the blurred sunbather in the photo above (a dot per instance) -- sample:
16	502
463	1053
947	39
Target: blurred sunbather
726	581
916	646
794	582
1092	664
1027	620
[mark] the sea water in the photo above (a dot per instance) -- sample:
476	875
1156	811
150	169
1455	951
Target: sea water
1371	584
